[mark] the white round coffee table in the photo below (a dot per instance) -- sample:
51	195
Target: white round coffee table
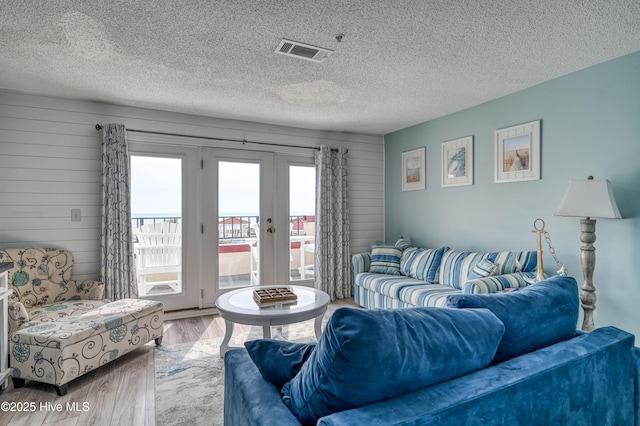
238	306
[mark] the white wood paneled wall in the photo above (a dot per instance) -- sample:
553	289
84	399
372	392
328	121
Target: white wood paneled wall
50	163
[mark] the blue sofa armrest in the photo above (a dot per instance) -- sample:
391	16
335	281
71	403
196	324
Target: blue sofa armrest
248	398
575	382
361	263
636	356
496	283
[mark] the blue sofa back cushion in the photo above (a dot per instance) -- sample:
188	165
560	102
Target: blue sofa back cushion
370	355
536	316
278	361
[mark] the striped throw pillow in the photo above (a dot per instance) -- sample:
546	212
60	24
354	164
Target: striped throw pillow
456	265
496	283
514	261
484	268
385	260
403	244
422	264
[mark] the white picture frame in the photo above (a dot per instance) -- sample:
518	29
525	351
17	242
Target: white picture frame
457	162
413	169
517	153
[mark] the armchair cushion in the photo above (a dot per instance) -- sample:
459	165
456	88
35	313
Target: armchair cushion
536	316
59	350
64	324
370	355
58	312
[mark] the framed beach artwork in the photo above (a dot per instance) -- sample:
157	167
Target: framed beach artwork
413	169
457	162
517	153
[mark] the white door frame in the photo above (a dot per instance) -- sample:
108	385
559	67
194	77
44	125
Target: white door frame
210	213
191	257
196	213
283	213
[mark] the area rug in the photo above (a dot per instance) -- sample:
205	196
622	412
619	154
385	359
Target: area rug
190	376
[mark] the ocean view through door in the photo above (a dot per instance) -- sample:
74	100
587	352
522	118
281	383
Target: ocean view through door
208	220
250	236
164	214
238	214
239	223
156	207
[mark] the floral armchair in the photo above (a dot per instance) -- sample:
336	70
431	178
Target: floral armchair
61	329
41	281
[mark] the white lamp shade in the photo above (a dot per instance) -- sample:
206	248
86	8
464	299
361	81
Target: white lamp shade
589	198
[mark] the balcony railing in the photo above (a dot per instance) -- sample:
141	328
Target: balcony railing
236	247
237	227
139	221
230	227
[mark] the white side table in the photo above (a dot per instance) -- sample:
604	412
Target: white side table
5	371
239	307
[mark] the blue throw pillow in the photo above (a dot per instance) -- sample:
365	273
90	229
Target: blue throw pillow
534	317
278	361
368	355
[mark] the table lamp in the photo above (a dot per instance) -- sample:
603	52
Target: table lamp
589	199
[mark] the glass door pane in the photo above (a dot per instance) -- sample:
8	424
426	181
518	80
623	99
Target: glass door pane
156	207
302	211
238	224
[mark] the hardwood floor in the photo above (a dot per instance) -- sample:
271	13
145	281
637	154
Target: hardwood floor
120	393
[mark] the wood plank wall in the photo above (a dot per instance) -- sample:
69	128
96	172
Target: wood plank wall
50	163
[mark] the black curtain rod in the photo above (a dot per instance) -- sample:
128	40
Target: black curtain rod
99	127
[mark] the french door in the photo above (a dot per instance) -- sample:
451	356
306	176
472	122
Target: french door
209	220
249	235
165	223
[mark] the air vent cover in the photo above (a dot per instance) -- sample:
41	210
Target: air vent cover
302	51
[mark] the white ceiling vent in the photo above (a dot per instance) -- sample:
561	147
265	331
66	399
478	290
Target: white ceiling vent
302	51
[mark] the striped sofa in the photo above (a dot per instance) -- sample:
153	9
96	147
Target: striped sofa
402	276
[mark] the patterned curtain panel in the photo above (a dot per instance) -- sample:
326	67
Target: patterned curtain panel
117	268
332	257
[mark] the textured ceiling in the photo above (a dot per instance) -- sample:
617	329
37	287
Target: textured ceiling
400	62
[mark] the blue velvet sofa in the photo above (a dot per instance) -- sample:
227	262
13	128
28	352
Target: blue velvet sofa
402	276
512	358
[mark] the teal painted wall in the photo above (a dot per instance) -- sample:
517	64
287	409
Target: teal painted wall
590	125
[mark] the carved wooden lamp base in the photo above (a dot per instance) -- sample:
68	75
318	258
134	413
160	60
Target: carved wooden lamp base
588	262
588	198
